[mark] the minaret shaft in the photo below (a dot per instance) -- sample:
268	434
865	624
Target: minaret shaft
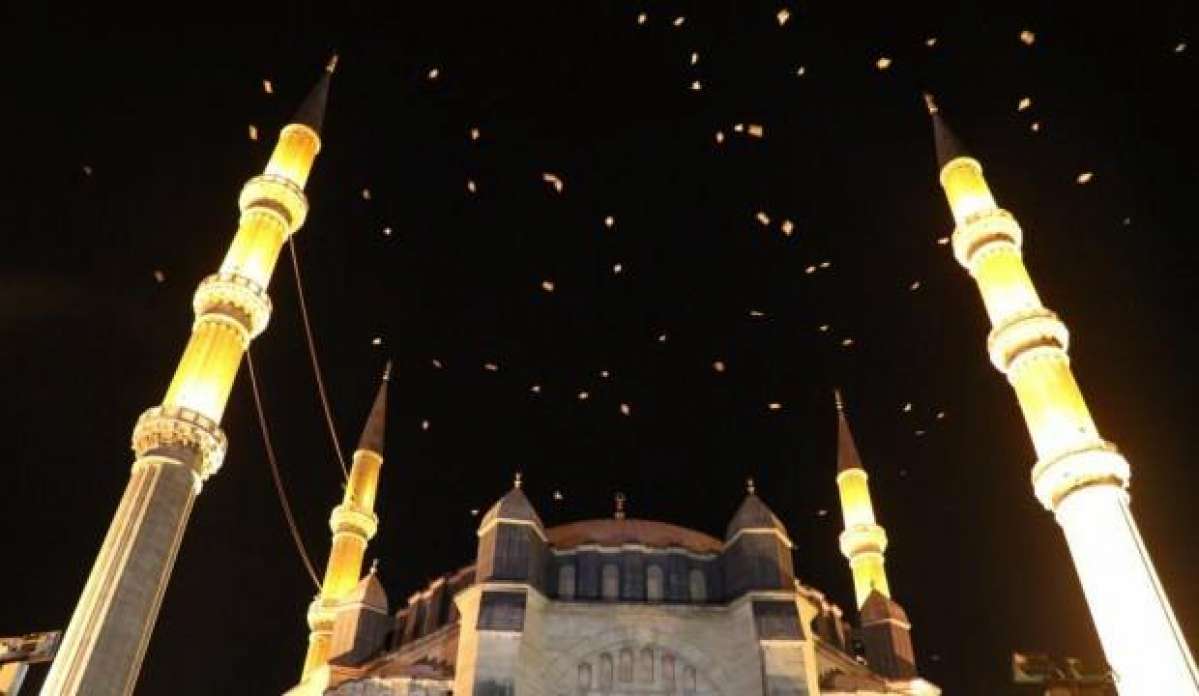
1078	476
864	541
179	444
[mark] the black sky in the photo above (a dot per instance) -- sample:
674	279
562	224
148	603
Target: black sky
159	109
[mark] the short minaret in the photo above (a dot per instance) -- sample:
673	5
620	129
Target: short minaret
179	443
863	542
1079	476
353	523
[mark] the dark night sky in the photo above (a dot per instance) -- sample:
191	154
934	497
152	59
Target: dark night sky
160	113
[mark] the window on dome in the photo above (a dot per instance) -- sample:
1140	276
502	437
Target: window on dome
610	581
653	583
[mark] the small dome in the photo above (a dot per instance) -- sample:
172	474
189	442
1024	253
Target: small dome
613	532
513	506
754	514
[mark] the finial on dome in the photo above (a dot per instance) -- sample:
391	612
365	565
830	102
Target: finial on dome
930	103
838	401
332	65
749	485
517	480
620	500
375	566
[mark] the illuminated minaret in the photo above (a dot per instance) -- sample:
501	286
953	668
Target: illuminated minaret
1078	476
863	542
353	523
179	443
885	631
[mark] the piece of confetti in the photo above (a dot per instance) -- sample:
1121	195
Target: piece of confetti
783	16
625	409
1027	37
268	87
377	341
696	85
87	169
719	137
474	133
641	18
547	285
1180	47
436	363
433	73
882	63
424	424
718	365
253	132
536	388
366	194
617	268
774	406
1035	126
788	227
678	21
160	276
930	41
1085	177
386	231
914	286
1024	103
491	367
755	130
471	186
553	180
801	71
846	342
694	57
583	396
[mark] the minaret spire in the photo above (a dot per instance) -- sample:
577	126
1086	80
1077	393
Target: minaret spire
863	542
179	443
354	524
312	110
1078	475
947	145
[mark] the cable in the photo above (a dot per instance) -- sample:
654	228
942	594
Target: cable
316	367
270	456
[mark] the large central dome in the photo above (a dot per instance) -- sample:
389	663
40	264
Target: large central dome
614	532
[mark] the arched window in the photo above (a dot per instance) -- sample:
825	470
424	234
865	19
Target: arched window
653	583
605	675
625	671
585	675
645	665
698	585
689	679
566	581
610	581
668	670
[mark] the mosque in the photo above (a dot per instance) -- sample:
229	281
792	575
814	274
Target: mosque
615	606
611	606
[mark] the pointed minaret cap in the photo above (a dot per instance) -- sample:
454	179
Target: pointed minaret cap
847	450
513	507
376	422
948	146
312	110
368	592
754	514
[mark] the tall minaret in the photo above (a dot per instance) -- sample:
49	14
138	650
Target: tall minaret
863	541
353	523
179	443
1080	477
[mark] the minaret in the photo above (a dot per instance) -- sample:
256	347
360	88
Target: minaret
1078	476
353	523
863	542
886	631
179	443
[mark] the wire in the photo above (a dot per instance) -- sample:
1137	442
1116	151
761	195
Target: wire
316	367
270	456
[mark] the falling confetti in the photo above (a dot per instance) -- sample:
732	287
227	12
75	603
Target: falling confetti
678	21
436	363
824	328
696	85
907	408
719	137
470	186
617	268
763	218
491	367
433	73
160	276
474	512
757	313
788	227
919	433
1085	177
783	16
609	222
883	63
822	512
846	342
940	415
253	132
914	286
474	133
424	424
755	130
661	338
801	71
1024	104
558	495
641	18
536	388
1182	46
1027	37
386	231
930	41
87	170
1035	126
825	264
377	341
694	57
605	374
625	409
738	127
547	285
774	406
553	180
942	240
583	396
268	87
810	270
718	366
366	194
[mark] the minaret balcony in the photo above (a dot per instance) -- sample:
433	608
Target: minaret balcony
1021	335
237	297
983	230
863	538
166	430
275	195
1054	478
348	518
